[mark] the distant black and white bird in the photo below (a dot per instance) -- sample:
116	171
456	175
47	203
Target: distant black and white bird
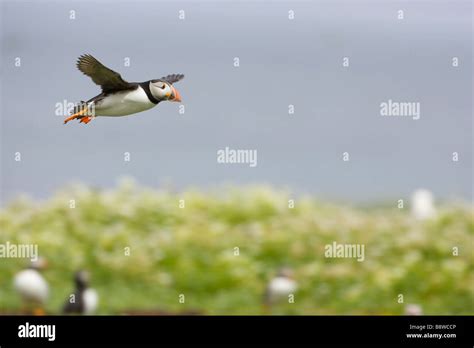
119	97
32	287
84	300
422	205
279	288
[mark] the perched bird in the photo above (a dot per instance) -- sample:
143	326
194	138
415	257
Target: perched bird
84	300
413	309
119	97
422	205
279	288
32	287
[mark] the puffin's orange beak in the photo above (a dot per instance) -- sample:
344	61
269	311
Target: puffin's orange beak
177	96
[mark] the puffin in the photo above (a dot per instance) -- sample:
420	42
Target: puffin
32	287
85	299
413	309
278	289
422	205
119	97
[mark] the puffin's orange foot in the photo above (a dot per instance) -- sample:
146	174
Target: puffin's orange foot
77	115
38	311
85	119
70	118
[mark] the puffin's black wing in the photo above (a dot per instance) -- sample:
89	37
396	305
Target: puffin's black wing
74	307
172	78
106	78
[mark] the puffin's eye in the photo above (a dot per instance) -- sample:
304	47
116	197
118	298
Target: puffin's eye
163	86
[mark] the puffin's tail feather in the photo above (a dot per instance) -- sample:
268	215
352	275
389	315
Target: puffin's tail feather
81	106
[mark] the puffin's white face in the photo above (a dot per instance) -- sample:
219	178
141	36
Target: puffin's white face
164	91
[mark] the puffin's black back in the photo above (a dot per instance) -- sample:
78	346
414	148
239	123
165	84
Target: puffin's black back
74	307
81	281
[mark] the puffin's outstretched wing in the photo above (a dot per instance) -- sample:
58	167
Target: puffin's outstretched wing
106	78
172	78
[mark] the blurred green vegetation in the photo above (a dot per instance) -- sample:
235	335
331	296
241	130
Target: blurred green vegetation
190	251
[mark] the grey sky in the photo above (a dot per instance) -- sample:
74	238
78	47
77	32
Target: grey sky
282	62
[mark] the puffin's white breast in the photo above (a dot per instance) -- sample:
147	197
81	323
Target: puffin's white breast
123	103
31	286
90	299
422	205
281	286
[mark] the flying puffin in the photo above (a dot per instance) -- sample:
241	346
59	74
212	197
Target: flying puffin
119	97
85	299
32	287
279	288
